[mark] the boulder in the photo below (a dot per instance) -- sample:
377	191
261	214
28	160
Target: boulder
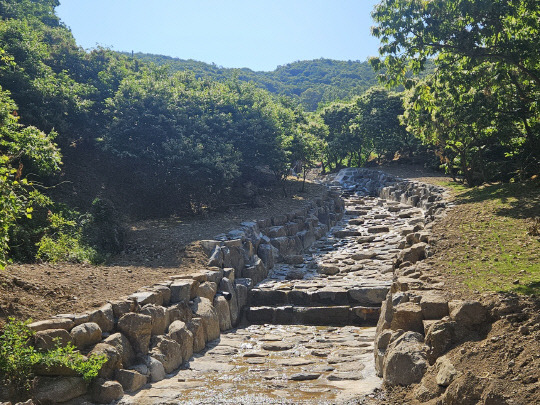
203	308
50	338
223	311
439	338
446	372
180	290
168	352
104	317
368	295
130	380
180	333
86	334
160	321
114	359
57	323
47	390
434	305
147	297
155	368
195	326
467	313
242	292
382	340
216	257
405	359
214	275
179	312
267	253
413	254
227	286
407	316
328	269
105	392
207	290
123	306
165	292
138	329
122	345
465	390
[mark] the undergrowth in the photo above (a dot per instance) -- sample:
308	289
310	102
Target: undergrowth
18	358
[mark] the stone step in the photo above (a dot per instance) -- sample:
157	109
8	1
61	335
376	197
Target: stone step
371	296
324	316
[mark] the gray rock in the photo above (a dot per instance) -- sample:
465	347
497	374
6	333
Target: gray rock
123	306
156	369
179	332
468	313
147	297
114	359
196	328
304	376
104	317
439	338
203	308
48	390
405	360
328	269
224	313
434	305
216	257
446	372
104	392
408	316
168	352
227	285
130	380
138	329
57	323
179	312
180	290
207	290
49	339
122	345
86	334
165	292
160	321
413	254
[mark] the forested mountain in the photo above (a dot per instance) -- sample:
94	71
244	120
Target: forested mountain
309	82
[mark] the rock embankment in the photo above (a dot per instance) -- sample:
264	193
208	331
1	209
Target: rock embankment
155	330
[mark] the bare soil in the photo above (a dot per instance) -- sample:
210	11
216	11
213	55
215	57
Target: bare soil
155	250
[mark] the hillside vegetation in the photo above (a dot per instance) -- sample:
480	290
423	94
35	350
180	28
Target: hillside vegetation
150	136
309	83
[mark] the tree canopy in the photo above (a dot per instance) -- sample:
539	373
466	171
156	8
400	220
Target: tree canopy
480	105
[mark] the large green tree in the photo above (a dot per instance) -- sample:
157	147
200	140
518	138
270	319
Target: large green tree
482	98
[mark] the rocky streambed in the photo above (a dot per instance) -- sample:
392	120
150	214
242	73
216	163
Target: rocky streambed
284	311
308	332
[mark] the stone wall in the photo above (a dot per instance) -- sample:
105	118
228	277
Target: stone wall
157	329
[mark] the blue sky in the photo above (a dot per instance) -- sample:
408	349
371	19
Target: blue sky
258	34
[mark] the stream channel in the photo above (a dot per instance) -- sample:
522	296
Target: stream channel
308	334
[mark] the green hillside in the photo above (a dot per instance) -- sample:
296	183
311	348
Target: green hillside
310	82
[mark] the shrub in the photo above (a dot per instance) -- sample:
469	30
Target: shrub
18	358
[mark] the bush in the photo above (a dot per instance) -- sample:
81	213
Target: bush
18	358
64	241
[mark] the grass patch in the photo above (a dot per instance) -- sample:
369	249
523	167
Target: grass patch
494	247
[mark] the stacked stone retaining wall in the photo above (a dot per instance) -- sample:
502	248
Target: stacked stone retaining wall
157	329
